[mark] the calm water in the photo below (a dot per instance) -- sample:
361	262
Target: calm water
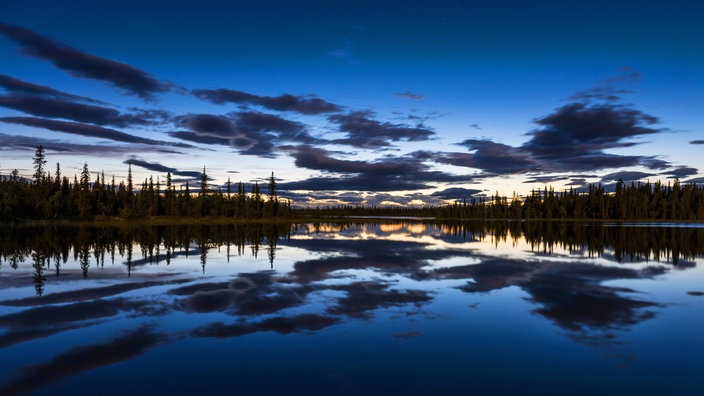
402	308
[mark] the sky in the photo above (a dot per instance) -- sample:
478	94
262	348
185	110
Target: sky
358	102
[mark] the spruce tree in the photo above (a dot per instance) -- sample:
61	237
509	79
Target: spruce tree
39	162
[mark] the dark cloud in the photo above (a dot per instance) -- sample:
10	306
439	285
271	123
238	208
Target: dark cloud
153	166
455	193
18	86
696	142
696	180
378	199
546	179
366	132
601	93
285	102
353	183
410	95
81	64
202	139
83	358
389	174
575	135
59	108
85	130
573	138
252	133
210	125
626	176
492	157
261	122
681	172
318	159
31	143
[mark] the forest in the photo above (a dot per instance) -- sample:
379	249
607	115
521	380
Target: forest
92	197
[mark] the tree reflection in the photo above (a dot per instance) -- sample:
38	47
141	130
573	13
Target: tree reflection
38	276
680	246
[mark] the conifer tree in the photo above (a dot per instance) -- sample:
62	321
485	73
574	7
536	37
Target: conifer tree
39	162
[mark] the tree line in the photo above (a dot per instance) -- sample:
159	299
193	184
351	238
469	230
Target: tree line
48	196
88	196
634	201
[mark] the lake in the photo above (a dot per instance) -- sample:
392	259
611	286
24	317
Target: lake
403	307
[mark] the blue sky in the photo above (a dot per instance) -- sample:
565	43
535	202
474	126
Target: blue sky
358	101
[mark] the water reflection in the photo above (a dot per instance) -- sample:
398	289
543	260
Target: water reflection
584	279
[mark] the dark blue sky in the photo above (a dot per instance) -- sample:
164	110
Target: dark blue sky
411	101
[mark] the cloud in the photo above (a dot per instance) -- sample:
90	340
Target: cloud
364	132
196	138
626	176
17	86
697	142
80	64
576	134
573	138
80	112
546	179
681	172
389	174
285	102
31	143
410	95
85	130
455	193
153	166
602	93
696	180
319	159
493	157
255	123
252	133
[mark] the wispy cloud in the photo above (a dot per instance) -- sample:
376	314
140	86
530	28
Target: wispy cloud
86	130
157	167
252	133
18	86
388	174
285	102
573	138
410	95
80	112
366	132
28	143
80	64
